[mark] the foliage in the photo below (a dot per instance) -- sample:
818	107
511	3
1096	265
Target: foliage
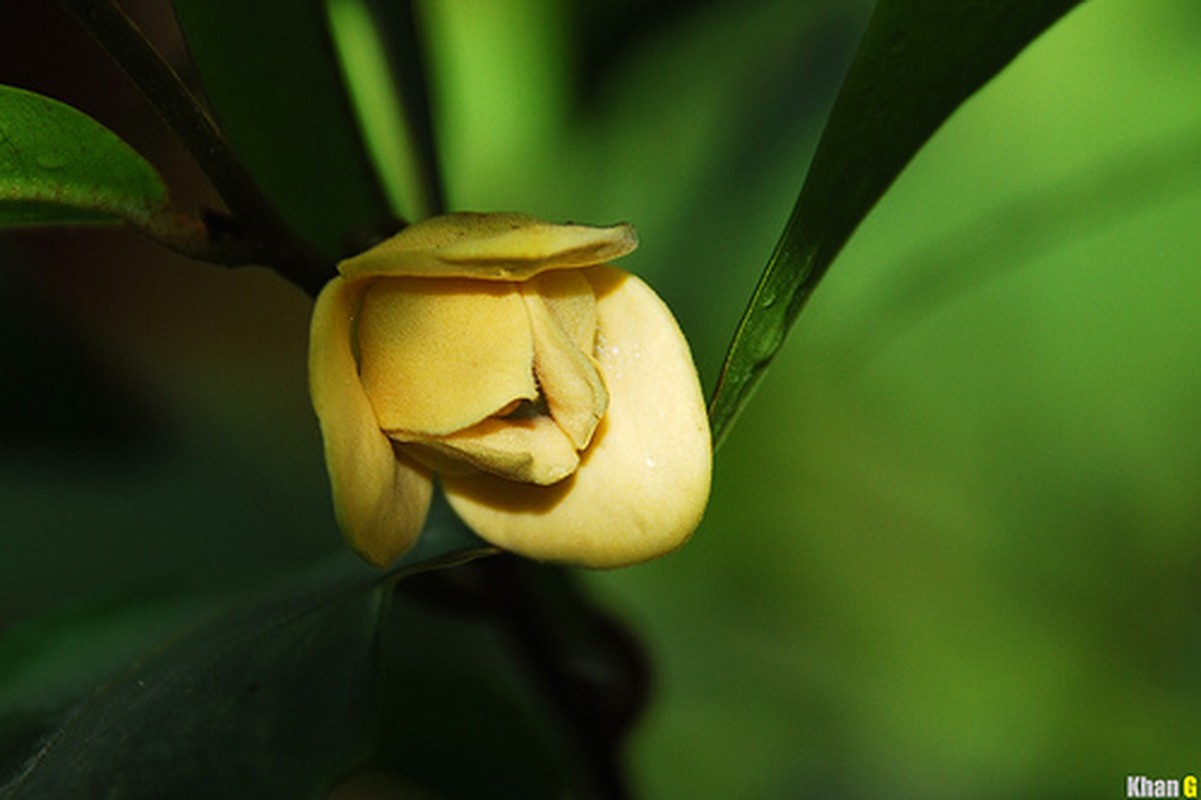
284	677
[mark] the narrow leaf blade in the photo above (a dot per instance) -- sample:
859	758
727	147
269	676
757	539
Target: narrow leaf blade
917	63
381	56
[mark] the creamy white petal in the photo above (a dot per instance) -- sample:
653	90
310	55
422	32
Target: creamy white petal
641	488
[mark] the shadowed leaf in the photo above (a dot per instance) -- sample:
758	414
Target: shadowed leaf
269	695
269	70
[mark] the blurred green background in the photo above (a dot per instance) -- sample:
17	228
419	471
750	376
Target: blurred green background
954	540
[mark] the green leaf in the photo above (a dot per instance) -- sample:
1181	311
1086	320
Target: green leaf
266	701
378	47
511	661
272	694
917	63
42	673
456	674
58	165
270	73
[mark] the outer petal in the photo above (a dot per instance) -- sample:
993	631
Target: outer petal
380	500
641	488
437	356
504	247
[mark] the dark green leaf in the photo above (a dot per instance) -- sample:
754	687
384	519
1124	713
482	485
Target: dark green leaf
459	717
272	695
265	702
58	165
917	63
270	73
449	656
42	672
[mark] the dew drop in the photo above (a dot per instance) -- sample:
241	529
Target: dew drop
50	159
762	346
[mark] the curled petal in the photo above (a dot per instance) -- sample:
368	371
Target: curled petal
437	356
380	500
504	247
572	303
641	488
575	394
530	450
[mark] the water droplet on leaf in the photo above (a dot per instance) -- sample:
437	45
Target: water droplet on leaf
51	159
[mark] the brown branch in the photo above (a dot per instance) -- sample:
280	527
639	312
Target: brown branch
265	238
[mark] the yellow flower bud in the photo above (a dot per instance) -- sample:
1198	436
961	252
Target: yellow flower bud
554	395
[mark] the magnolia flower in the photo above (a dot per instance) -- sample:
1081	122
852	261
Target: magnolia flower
553	395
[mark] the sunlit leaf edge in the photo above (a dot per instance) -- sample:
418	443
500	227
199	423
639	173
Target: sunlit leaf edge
58	165
904	83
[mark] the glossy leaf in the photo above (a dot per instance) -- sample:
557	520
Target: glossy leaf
203	711
269	70
917	63
272	695
42	674
58	165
